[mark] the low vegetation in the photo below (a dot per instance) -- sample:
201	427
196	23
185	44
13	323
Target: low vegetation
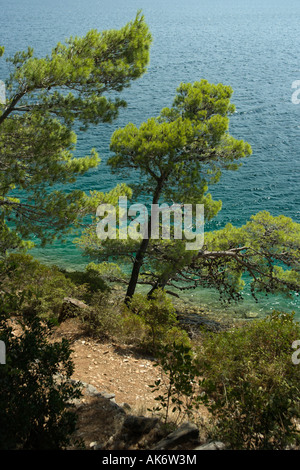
35	390
251	384
243	375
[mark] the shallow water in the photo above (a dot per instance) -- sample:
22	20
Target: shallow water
251	46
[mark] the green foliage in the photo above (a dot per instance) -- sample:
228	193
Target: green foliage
178	386
35	385
185	147
109	272
88	282
46	98
21	272
145	323
176	156
175	334
133	330
267	248
157	313
103	318
251	383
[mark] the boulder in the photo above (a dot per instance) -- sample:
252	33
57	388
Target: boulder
215	445
71	308
186	432
139	425
195	321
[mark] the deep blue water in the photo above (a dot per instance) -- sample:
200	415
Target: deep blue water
252	46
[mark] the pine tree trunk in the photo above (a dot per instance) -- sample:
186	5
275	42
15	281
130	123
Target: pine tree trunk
136	269
142	250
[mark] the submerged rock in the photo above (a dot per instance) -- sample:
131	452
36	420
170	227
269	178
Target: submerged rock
195	320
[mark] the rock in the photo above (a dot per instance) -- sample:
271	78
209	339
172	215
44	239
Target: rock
70	308
96	445
196	321
251	315
125	406
132	432
75	302
92	391
93	444
139	425
215	445
184	433
109	396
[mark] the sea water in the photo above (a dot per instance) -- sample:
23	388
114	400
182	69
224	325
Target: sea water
253	46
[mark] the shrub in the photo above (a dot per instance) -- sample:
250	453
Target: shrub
133	330
251	383
35	386
176	335
103	317
21	272
157	314
90	278
178	386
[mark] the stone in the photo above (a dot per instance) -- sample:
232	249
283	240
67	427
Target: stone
108	396
125	406
70	308
92	391
215	445
75	302
251	314
184	433
93	444
139	424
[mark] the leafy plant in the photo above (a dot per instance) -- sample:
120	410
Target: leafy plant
178	386
103	317
35	386
90	278
251	383
48	98
20	272
157	313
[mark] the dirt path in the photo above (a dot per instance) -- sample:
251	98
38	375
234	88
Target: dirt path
110	367
117	370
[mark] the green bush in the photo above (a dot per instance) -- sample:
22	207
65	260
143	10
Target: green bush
179	384
21	272
176	335
35	385
251	383
157	314
103	317
89	278
133	330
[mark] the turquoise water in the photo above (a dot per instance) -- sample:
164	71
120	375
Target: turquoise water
252	46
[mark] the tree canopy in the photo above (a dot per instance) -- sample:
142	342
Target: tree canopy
177	156
76	85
